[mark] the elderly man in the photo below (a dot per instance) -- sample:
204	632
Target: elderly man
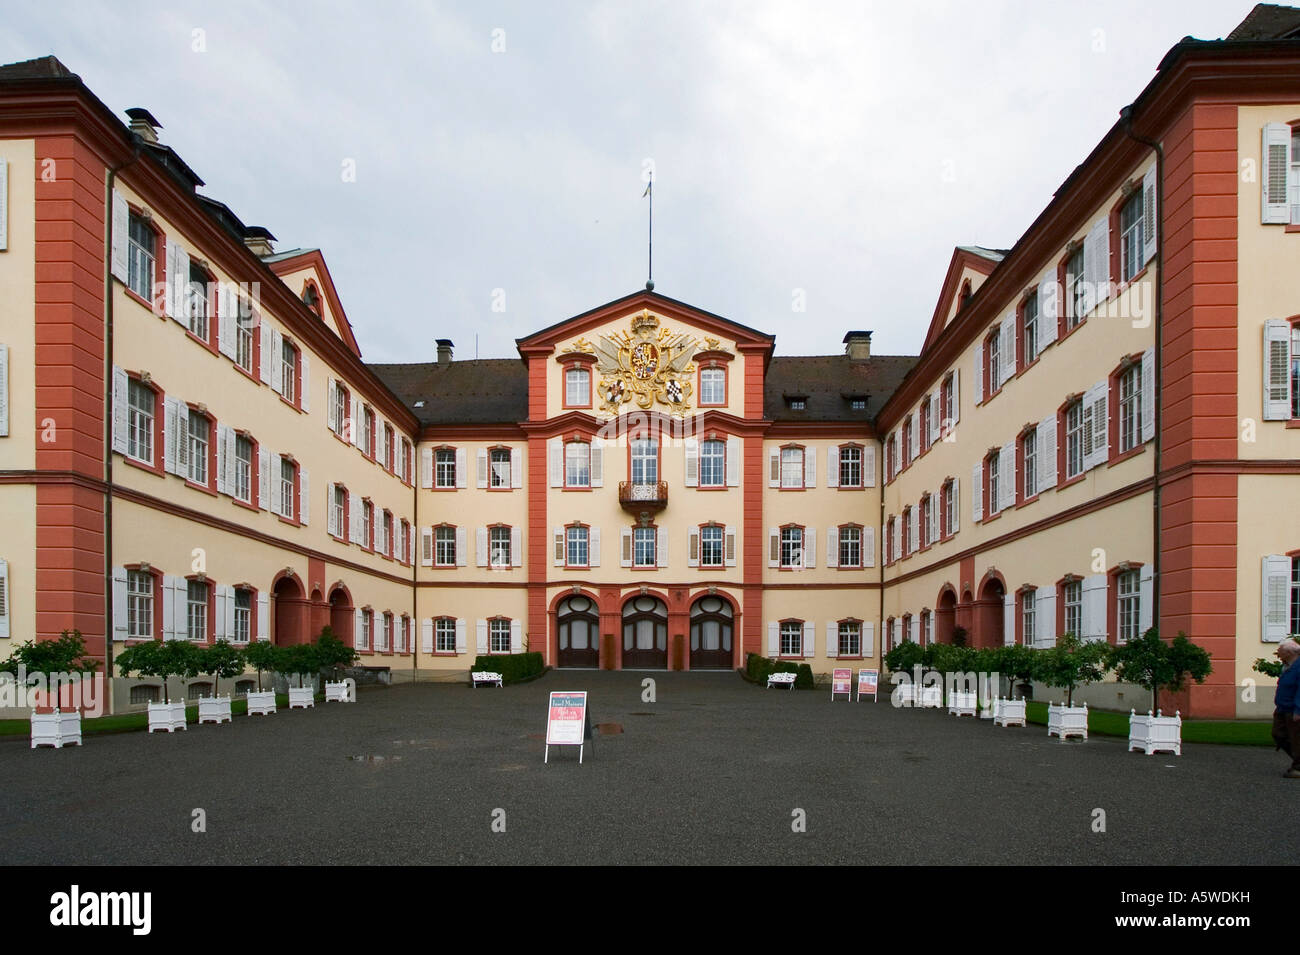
1286	715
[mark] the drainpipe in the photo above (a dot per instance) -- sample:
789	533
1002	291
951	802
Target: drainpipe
1126	120
413	542
880	564
108	418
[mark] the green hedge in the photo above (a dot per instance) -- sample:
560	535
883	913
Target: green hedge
513	668
759	668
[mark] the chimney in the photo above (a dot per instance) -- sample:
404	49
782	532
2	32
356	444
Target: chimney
857	345
444	351
259	239
143	124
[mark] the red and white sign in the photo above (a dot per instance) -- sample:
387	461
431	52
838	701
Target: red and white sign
868	682
842	682
566	718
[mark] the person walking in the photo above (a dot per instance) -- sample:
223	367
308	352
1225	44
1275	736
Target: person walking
1286	702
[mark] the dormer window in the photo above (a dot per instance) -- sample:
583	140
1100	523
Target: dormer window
796	402
858	404
311	297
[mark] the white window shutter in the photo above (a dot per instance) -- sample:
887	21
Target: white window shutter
232	446
304	371
354	517
1045	617
1145	598
461	641
516	546
625	547
331	516
481	468
897	543
597	463
121	402
915	634
516	468
593	547
277	366
462	546
462	467
171	427
119	602
481	637
1048	305
516	636
222	487
773	639
426	635
932	532
426	546
729	546
774	467
1009	619
1277	370
263	478
832	638
979	372
1007	480
810	467
264	340
868	639
833	466
976	492
956	510
1047	453
353	433
691	446
868	546
1096	264
809	639
1149	214
693	548
426	467
1100	422
810	547
172	296
869	466
1148	394
1273	180
832	547
121	231
734	453
1092	607
1275	587
277	496
661	546
773	547
331	411
916	434
263	617
555	453
225	321
304	496
4	383
558	537
1007	343
481	547
169	607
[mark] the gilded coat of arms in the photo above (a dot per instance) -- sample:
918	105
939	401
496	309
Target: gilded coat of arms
650	365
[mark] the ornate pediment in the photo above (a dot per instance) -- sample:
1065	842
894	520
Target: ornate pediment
651	365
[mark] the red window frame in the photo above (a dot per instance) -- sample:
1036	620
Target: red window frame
803	466
712	364
211	468
159	464
862	546
577	364
567	565
212	606
157	576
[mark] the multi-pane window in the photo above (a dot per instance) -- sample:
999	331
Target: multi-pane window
386	633
288	478
196	302
1074	440
139	605
243	487
404	542
713	386
924	416
367	523
643	546
645	461
342	411
139	422
890	556
949	509
444	548
244	338
713	463
1295	366
243	615
577	464
907	531
1130	408
388	447
792	547
1130	237
1073	594
444	470
197	455
711	546
407	460
577	387
1130	601
993	353
444	630
1075	289
907	441
288	369
499	467
992	469
368	431
367	623
386	543
499	546
850	639
499	631
927	628
575	547
1031	328
1028	618
339	503
850	546
1030	470
141	245
850	466
891	456
792	467
791	638
196	609
948	412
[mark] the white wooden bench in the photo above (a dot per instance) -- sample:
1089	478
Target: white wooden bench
781	679
487	677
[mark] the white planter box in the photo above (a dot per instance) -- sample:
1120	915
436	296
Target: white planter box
167	716
302	697
1009	712
931	696
1066	721
58	729
338	692
1156	734
961	704
904	694
261	702
214	709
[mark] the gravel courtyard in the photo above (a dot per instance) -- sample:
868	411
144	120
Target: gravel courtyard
711	772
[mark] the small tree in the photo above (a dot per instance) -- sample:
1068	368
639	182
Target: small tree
264	656
1017	663
222	661
904	656
303	659
141	659
1271	668
67	654
1151	663
178	658
1071	663
334	653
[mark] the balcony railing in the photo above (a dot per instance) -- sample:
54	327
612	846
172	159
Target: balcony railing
643	495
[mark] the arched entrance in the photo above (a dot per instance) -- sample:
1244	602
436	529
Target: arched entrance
645	634
945	616
712	634
291	612
342	615
988	612
578	627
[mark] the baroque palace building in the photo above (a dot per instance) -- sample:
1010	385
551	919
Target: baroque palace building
1101	433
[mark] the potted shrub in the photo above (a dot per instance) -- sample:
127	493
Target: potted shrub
1151	663
262	656
1071	663
906	658
304	660
954	663
47	664
223	662
163	660
334	655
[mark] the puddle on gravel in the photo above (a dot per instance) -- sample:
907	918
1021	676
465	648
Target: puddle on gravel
609	729
374	759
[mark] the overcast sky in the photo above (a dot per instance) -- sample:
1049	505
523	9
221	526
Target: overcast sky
838	150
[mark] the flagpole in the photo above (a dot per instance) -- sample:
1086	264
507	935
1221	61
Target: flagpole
650	239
